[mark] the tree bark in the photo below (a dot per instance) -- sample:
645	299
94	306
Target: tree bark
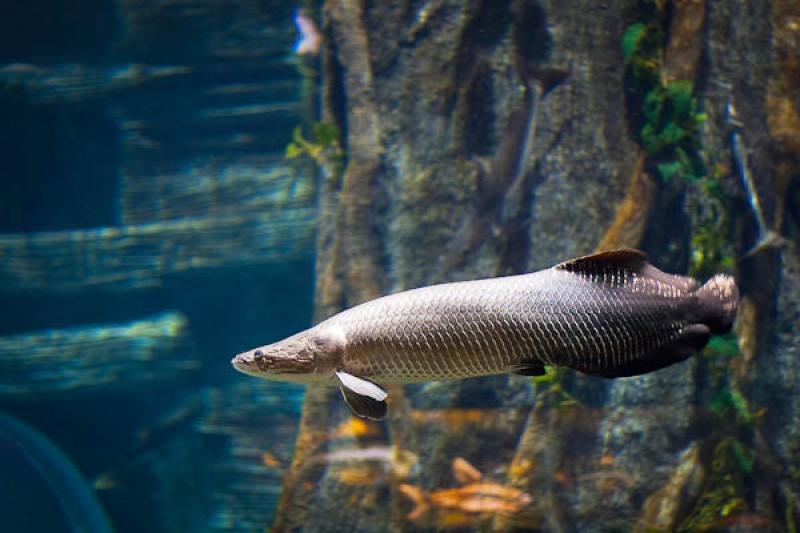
425	93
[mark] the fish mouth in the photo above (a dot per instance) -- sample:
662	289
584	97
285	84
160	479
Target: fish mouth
258	365
244	363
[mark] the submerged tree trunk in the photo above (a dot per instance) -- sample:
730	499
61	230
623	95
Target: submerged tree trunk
424	94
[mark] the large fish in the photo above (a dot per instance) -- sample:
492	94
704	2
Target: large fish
610	314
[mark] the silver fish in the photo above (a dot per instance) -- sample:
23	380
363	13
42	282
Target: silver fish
610	314
767	238
503	178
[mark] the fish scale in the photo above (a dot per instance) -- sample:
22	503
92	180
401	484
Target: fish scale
508	329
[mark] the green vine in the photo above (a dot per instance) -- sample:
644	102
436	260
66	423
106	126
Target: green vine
670	115
669	133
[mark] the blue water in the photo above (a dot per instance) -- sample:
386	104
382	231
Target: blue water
97	101
151	228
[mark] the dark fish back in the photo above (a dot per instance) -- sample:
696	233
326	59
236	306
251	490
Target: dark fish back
637	318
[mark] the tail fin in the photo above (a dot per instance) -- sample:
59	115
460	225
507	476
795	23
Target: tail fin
719	298
769	241
417	496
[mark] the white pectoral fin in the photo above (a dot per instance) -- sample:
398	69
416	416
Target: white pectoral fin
361	386
365	398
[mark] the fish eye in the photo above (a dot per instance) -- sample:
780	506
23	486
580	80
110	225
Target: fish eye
258	353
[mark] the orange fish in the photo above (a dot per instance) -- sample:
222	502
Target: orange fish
490	489
417	496
464	472
521	469
269	460
476	498
484	505
357	427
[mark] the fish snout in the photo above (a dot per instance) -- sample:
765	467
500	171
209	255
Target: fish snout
244	362
279	360
258	362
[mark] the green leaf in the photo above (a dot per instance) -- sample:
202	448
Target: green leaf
723	345
326	133
692	162
669	170
728	402
720	402
727	263
292	151
631	38
651	142
745	458
741	406
297	135
653	105
549	376
672	134
681	103
655	141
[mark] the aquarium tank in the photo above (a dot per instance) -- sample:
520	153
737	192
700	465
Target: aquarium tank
187	183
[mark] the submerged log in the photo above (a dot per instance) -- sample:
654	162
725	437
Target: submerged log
274	226
260	186
90	358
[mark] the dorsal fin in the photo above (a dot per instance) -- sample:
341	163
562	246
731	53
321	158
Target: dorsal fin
625	258
628	260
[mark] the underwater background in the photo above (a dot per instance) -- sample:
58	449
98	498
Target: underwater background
186	179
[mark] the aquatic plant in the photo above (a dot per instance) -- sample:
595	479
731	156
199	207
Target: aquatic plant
669	111
670	120
732	461
722	494
551	383
323	148
730	405
711	242
726	345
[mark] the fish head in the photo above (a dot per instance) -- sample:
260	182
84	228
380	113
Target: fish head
308	356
